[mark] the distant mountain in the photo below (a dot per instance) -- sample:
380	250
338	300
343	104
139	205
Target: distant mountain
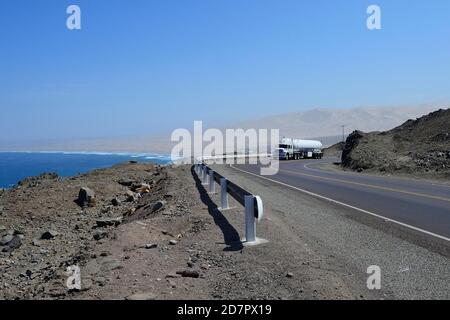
321	123
327	122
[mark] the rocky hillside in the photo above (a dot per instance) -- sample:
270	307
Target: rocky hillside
335	150
417	147
48	223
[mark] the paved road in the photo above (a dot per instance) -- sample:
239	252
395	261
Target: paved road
414	203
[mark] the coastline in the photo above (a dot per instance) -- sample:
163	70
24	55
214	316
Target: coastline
18	165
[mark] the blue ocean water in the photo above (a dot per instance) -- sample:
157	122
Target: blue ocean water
15	166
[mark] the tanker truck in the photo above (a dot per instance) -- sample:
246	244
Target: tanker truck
299	149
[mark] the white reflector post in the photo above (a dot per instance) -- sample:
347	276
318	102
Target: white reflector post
205	175
250	221
223	194
212	184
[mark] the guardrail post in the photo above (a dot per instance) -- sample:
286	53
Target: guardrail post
212	183
250	221
201	172
223	194
205	175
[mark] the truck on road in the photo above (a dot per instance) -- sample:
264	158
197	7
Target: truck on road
296	149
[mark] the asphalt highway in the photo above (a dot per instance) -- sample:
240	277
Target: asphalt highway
420	205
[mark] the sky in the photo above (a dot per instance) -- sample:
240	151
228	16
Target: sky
149	66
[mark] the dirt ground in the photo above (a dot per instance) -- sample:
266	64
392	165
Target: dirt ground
183	249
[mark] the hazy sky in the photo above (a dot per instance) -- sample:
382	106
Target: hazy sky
150	65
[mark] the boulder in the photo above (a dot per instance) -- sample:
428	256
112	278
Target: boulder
98	235
115	202
109	222
144	188
189	273
50	234
126	182
6	239
86	197
159	205
131	196
15	243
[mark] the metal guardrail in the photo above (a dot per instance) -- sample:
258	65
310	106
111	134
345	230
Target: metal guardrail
254	210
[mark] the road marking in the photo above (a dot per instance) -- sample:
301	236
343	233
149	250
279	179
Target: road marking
370	186
354	174
346	205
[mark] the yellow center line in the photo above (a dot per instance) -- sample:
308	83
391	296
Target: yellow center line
370	186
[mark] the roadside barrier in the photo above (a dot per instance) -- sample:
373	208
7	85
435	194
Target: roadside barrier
254	210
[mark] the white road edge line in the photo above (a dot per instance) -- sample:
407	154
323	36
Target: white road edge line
346	205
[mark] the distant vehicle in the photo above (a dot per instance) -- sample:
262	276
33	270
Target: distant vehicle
299	149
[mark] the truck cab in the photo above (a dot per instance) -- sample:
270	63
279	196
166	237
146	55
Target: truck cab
285	151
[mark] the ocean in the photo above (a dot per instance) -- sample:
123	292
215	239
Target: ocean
15	166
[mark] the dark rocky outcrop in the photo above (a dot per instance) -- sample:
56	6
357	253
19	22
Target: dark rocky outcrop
418	147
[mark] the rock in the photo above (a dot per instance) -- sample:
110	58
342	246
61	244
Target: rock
6	239
98	235
15	243
172	283
189	273
168	196
159	205
2	228
151	246
86	284
86	197
36	243
108	222
131	196
50	234
115	202
142	296
126	182
289	275
141	188
100	281
173	242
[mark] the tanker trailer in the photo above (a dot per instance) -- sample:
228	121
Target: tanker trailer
299	149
